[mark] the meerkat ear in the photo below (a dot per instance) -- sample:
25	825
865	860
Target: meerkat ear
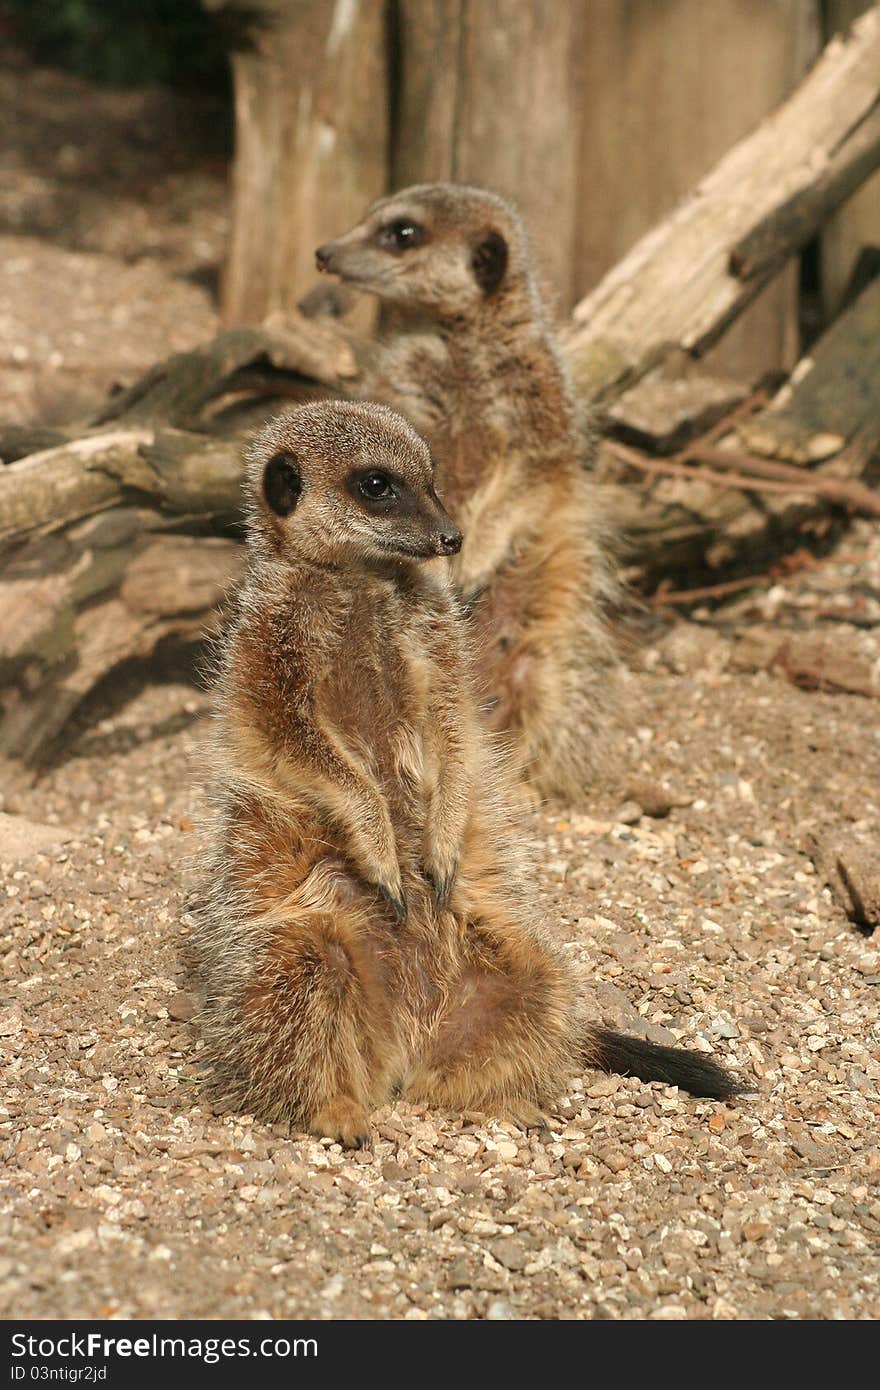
489	261
282	484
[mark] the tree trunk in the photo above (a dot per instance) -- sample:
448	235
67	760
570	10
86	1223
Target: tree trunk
506	114
311	119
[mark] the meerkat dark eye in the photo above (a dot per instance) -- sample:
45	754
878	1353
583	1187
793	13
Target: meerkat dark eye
282	484
376	487
400	236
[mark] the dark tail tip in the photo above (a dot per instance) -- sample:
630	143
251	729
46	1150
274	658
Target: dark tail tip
616	1052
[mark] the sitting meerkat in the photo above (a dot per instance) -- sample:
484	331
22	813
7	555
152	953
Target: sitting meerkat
473	365
365	932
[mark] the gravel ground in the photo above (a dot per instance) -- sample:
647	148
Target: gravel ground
125	1196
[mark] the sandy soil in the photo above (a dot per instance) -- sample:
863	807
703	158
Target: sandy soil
123	1195
112	229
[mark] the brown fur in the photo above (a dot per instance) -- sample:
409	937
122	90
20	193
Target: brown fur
474	367
364	931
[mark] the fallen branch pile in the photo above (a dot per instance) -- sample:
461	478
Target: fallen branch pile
124	532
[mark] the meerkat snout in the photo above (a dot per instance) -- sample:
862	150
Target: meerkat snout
349	482
450	543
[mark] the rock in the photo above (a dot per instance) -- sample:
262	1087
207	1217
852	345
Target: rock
23	839
499	1311
458	1276
723	1027
181	1007
654	800
656	1033
852	872
816	1155
613	1159
509	1252
688	648
755	1230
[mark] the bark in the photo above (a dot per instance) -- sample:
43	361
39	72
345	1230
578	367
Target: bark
311	120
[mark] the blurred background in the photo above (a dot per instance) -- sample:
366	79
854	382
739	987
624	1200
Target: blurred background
168	166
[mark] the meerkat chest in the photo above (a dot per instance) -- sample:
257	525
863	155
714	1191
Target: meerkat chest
378	692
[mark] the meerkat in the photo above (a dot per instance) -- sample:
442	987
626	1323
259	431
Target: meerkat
473	365
365	932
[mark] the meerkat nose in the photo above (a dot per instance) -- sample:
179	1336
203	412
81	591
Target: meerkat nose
324	255
450	542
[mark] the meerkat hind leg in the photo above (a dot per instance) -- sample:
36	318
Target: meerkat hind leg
507	1034
320	1040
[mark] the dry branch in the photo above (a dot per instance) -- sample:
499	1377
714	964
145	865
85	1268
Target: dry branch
809	449
176	391
677	291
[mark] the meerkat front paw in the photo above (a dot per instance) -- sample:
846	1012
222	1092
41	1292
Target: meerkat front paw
345	1121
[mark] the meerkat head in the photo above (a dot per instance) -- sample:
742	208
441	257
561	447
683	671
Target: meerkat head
345	482
440	247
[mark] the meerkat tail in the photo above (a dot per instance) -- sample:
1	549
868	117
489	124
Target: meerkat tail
617	1052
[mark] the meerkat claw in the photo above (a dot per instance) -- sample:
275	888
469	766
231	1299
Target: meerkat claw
396	901
442	884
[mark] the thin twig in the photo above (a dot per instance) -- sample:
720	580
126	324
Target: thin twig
850	494
730	586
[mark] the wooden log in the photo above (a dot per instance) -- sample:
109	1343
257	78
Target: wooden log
76	605
662	415
787	228
176	391
831	403
178	472
117	540
676	290
111	544
129	454
665	95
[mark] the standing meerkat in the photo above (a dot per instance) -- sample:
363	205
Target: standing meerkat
473	365
364	932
